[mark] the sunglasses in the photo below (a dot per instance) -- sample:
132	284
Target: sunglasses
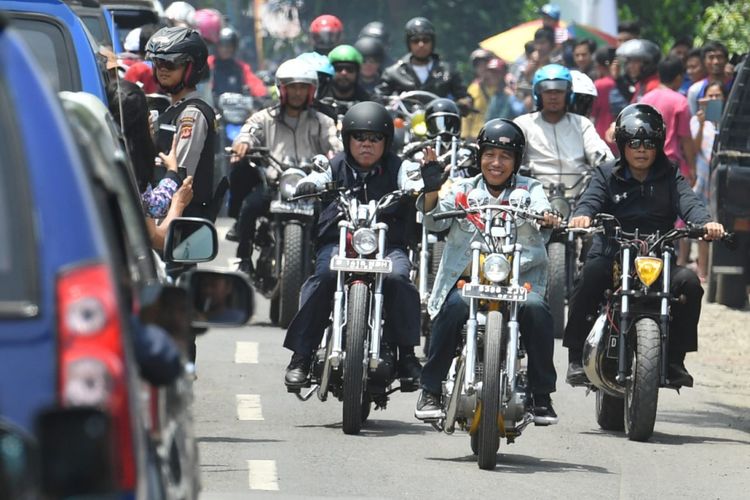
349	68
166	64
637	143
373	137
417	39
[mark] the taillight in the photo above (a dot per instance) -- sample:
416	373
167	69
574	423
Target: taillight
92	356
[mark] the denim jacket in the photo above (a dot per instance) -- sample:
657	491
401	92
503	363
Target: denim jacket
457	252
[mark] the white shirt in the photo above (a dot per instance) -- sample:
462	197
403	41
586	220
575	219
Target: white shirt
422	71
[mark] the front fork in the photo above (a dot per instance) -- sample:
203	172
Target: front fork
339	312
624	318
664	316
471	324
377	303
424	256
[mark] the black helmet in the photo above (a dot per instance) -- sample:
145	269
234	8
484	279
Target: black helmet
443	118
367	116
375	29
228	36
370	47
419	26
639	121
181	46
645	50
503	134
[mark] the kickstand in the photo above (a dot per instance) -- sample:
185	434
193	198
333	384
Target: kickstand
308	394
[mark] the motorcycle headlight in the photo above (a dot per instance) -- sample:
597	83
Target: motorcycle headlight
288	183
648	269
365	241
496	268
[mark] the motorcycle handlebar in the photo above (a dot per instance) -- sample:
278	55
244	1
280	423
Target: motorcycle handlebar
452	214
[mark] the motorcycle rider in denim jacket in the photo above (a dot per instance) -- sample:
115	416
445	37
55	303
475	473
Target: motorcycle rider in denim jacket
501	147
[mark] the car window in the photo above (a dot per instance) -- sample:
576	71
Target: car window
95	25
18	262
51	48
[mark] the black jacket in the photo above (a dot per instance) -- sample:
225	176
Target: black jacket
400	77
649	206
379	181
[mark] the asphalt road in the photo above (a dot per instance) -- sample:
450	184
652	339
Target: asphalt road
258	441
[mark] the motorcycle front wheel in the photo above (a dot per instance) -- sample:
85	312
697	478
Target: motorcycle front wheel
292	273
355	358
642	387
488	440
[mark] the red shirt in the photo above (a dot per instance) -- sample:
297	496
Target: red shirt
142	74
600	112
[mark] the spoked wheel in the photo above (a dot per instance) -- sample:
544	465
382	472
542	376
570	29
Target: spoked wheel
610	412
488	440
642	387
355	358
292	273
556	286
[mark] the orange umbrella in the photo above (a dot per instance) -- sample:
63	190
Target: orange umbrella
509	44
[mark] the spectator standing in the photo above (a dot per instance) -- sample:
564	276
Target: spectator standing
583	55
715	58
600	112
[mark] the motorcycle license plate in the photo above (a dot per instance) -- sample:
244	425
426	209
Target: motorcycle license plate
495	292
361	265
298	208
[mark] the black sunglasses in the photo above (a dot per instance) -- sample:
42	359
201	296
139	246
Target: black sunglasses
349	68
417	39
636	143
368	136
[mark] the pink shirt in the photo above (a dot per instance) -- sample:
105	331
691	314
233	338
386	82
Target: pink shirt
673	106
600	112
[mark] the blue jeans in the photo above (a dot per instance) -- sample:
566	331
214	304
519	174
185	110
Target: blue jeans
536	333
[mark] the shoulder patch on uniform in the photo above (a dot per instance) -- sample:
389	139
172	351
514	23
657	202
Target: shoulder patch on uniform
186	131
187	120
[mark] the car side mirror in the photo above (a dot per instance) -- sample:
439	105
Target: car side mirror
19	466
220	298
190	240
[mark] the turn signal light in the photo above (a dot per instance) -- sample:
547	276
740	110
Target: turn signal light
460	284
398	122
648	269
527	286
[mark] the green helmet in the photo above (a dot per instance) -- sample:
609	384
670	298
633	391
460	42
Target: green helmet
345	53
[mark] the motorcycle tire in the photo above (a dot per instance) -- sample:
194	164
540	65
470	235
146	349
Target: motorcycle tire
556	286
488	440
610	412
292	273
355	358
273	310
642	387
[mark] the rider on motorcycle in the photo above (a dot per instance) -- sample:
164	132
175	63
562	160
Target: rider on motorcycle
501	147
289	129
644	191
559	144
373	59
326	32
368	162
229	74
345	87
422	69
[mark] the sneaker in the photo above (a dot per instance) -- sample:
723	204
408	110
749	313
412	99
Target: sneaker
544	413
298	370
409	367
428	406
576	376
678	375
232	233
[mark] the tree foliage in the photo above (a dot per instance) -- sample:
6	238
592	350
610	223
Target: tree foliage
727	22
664	21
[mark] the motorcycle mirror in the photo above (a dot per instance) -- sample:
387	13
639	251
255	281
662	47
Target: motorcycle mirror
320	163
190	240
519	198
220	298
477	197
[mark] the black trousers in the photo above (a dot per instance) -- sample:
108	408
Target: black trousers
400	304
253	206
597	277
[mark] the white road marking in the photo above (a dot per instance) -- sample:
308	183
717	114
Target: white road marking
246	352
248	407
262	475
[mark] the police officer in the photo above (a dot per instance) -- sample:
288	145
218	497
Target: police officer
367	132
422	69
179	57
644	191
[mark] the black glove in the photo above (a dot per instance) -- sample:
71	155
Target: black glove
306	188
432	176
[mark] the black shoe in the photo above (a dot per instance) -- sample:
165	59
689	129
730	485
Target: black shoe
246	266
428	406
678	375
232	233
544	414
576	375
409	367
297	371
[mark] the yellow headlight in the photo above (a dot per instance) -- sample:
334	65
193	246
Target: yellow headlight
648	269
418	124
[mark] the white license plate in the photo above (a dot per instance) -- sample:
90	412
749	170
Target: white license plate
283	207
495	292
361	265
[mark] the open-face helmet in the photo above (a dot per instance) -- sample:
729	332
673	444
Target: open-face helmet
551	77
180	46
296	71
326	32
367	116
503	134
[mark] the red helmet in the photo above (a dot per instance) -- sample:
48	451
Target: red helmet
497	64
326	32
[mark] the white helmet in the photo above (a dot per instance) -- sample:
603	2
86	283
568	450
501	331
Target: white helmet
296	71
584	93
133	41
180	14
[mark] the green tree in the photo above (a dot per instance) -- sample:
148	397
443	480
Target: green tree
727	22
663	21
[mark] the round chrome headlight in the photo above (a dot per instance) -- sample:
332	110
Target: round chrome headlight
365	241
288	183
496	268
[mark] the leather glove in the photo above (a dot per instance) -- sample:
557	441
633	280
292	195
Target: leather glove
306	188
432	176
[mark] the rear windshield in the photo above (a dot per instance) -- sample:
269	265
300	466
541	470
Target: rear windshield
96	27
17	243
49	44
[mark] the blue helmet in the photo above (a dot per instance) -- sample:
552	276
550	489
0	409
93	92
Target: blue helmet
552	77
318	62
552	10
